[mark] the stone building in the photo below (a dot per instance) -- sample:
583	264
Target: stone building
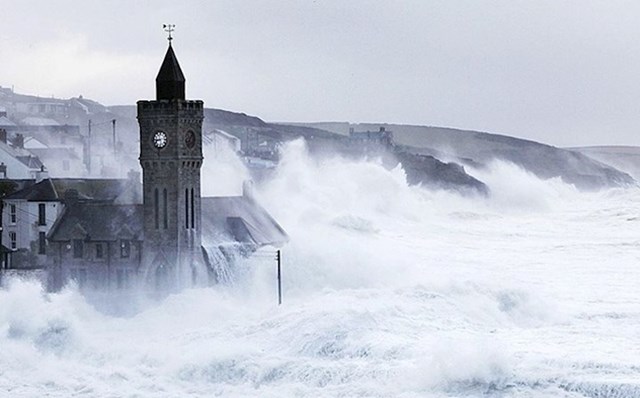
29	213
371	141
174	238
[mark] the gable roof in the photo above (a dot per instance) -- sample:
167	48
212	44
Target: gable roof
224	219
241	219
99	222
44	191
22	155
53	189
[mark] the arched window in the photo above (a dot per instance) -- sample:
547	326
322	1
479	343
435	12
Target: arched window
186	208
156	207
193	207
166	205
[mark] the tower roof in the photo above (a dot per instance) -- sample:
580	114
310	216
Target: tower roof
170	81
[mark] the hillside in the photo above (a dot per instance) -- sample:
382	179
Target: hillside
624	158
422	169
476	148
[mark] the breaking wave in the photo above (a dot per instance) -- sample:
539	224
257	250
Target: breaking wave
389	290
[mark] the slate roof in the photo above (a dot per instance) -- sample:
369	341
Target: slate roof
98	222
241	219
170	81
224	219
44	191
32	162
53	189
21	154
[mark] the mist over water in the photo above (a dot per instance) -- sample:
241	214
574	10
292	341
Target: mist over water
389	290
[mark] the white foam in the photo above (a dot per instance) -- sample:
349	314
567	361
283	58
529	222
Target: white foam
389	290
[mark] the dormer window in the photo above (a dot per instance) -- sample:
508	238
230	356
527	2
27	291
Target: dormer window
125	248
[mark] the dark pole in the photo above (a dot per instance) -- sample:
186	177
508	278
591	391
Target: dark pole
279	279
113	123
89	148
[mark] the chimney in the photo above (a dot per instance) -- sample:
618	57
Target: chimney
3	170
18	142
3	135
247	189
42	174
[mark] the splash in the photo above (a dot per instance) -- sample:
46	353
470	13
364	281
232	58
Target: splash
389	290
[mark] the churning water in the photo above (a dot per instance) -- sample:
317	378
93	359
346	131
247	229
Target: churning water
389	290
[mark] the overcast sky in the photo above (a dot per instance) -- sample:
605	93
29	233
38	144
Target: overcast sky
561	72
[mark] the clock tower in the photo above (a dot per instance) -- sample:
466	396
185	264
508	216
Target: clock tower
171	158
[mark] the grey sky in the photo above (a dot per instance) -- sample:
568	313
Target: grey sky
562	72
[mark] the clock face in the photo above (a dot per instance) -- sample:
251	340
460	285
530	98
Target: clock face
190	139
160	139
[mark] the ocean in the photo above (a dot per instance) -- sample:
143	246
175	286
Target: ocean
389	290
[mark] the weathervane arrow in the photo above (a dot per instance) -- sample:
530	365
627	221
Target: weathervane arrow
169	28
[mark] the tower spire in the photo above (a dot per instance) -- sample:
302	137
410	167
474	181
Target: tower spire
170	82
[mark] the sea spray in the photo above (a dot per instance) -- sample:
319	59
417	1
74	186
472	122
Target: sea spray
389	290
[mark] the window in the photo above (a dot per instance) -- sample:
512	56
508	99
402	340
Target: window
99	250
193	213
186	208
42	243
156	207
13	214
13	237
42	214
78	248
125	248
166	211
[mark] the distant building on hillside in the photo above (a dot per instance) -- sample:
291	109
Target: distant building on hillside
371	141
15	161
218	138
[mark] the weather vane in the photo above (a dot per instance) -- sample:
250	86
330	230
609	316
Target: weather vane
169	28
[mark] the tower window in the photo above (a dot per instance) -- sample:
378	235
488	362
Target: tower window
166	210
193	217
186	208
156	207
